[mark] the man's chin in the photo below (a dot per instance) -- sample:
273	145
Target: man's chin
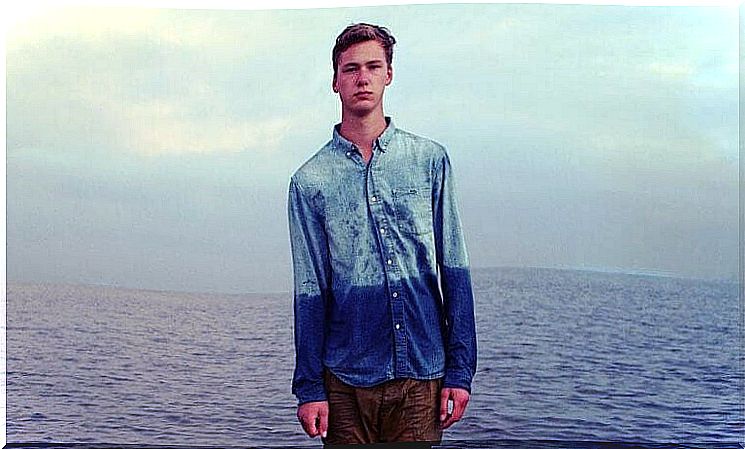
361	110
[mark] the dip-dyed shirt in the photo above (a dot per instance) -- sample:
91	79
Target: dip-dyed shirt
369	241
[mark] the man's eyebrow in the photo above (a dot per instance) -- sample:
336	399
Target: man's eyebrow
356	64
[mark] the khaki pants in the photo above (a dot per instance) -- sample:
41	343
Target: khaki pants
397	410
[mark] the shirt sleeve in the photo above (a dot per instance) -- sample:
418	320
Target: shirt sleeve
311	280
455	279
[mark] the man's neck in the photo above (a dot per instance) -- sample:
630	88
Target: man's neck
362	131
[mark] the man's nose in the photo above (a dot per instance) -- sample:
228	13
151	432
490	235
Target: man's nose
363	77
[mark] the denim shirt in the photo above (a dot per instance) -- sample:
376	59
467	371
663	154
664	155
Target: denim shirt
382	286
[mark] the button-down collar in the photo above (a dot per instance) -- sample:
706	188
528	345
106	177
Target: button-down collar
345	145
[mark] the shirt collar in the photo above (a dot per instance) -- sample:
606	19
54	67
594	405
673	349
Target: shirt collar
383	139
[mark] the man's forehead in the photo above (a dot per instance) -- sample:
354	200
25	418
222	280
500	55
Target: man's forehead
362	52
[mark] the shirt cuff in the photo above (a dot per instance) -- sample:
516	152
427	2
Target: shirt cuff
457	379
312	393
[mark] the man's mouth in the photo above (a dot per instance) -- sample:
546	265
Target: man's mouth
362	93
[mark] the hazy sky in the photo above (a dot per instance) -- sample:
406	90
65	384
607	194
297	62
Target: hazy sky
152	148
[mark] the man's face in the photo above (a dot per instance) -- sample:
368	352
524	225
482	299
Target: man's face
361	77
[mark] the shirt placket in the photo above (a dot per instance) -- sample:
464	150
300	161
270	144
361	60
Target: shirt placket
390	264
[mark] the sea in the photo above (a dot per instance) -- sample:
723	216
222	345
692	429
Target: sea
566	358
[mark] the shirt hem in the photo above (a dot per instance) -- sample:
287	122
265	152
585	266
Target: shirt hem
344	378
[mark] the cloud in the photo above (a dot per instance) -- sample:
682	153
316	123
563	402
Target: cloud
160	126
671	69
180	27
156	80
80	23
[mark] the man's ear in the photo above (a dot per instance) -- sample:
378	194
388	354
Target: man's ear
333	84
389	75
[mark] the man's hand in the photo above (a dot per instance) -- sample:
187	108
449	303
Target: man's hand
460	398
314	417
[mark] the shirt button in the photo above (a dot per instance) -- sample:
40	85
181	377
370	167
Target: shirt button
374	199
382	230
389	261
349	153
395	294
398	326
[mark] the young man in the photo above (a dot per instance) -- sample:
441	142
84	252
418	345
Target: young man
384	321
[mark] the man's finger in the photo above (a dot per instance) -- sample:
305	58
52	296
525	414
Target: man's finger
444	396
324	421
459	407
308	421
315	424
301	420
306	425
451	419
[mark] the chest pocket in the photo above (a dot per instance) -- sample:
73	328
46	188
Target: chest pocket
413	209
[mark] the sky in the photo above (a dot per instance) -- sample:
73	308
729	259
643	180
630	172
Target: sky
152	148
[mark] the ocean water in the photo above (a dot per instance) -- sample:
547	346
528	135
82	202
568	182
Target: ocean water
563	355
